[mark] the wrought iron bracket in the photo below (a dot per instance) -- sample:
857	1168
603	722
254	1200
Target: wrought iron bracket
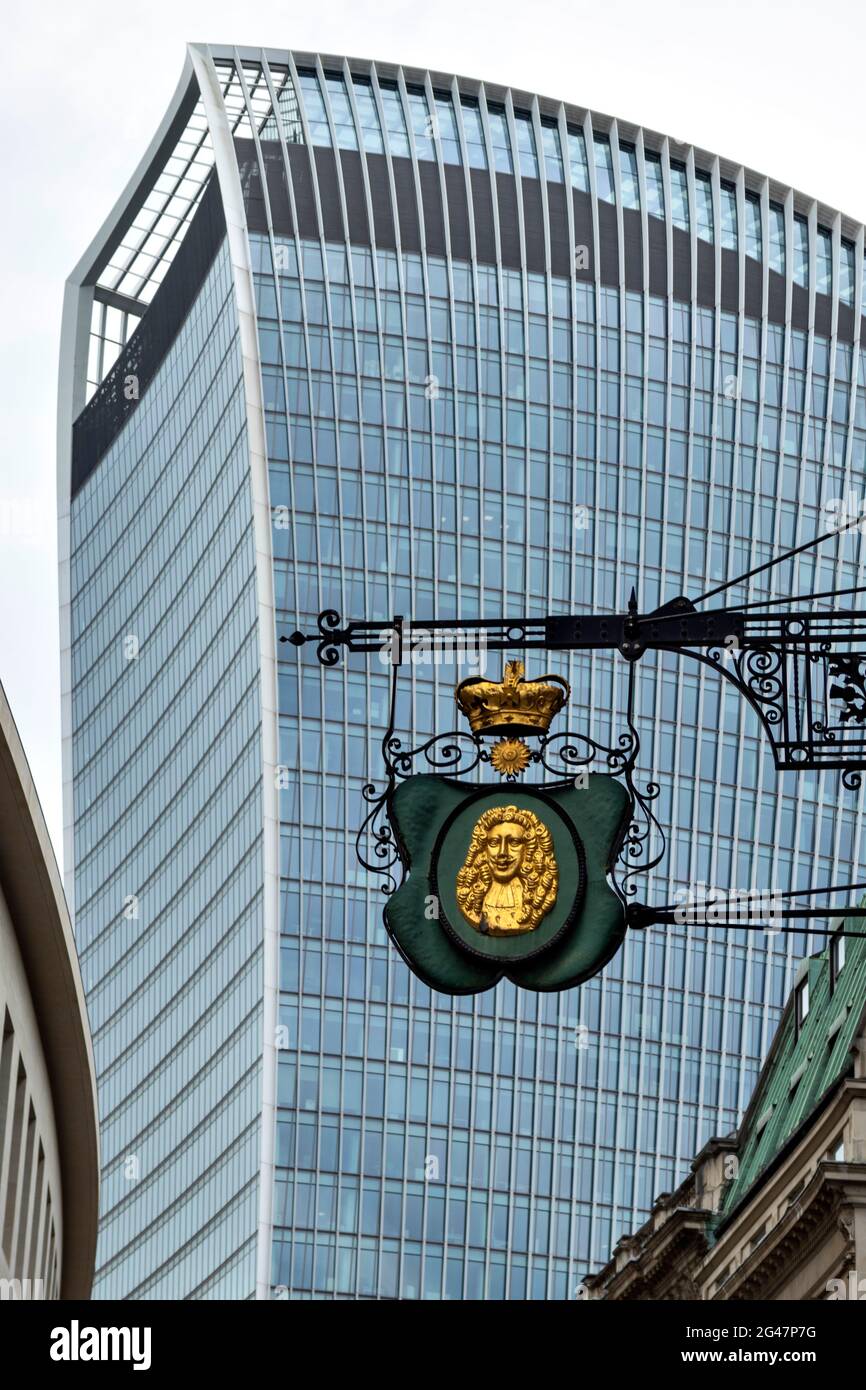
678	624
803	673
567	756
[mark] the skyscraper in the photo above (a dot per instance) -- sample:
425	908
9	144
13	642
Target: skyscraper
388	341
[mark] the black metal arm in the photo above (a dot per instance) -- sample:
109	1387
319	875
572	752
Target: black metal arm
803	673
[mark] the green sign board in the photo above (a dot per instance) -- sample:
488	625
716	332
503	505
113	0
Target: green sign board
507	883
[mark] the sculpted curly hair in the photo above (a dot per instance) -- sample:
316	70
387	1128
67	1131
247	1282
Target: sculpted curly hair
538	872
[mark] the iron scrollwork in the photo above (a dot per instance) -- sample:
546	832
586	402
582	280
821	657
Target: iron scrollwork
809	696
803	674
567	756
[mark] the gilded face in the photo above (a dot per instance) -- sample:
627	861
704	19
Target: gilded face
505	846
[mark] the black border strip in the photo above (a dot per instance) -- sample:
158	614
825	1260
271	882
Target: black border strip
108	411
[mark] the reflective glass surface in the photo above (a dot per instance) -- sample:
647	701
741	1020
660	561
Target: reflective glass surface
563	455
168	822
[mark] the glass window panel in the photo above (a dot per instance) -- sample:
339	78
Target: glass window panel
846	273
526	144
473	132
577	160
341	113
446	130
704	206
628	177
603	168
371	131
777	238
753	227
655	186
317	116
801	252
552	152
422	124
824	283
395	120
679	197
499	137
728	210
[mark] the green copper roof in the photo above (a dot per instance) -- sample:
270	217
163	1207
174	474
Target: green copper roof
802	1067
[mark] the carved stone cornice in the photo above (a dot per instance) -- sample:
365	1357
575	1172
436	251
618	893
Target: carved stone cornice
664	1261
827	1204
667	1262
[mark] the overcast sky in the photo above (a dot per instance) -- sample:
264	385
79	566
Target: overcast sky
775	86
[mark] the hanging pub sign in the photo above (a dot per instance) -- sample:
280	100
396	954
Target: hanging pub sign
502	880
535	882
506	877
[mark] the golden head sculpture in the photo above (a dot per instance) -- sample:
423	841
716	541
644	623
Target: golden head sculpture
515	704
510	877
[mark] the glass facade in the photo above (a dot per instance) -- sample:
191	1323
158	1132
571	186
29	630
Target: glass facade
454	434
168	822
553	1120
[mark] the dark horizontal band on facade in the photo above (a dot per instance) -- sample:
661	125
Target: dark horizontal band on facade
319	212
489	220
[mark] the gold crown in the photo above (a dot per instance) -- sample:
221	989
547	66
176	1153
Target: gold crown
521	706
